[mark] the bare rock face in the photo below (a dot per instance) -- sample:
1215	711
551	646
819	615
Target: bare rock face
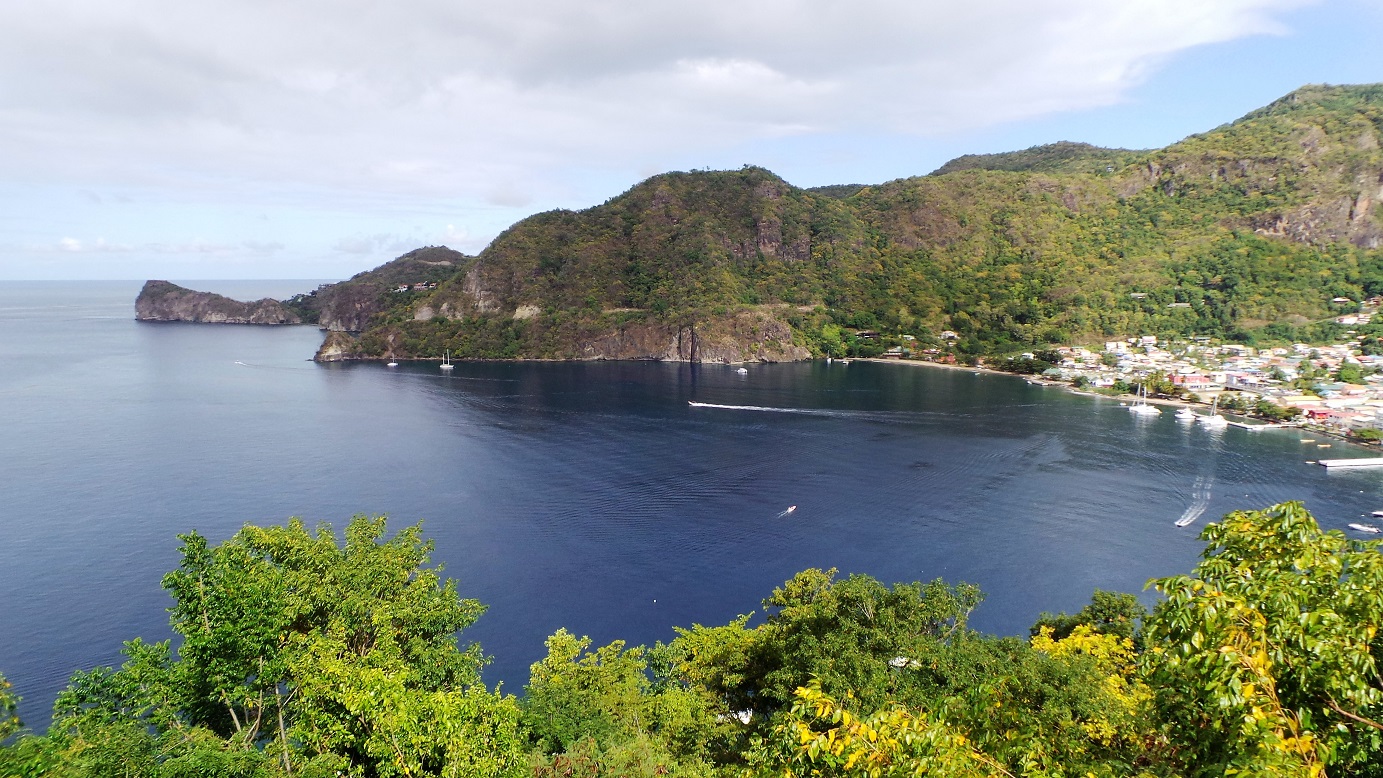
348	307
748	336
164	301
339	347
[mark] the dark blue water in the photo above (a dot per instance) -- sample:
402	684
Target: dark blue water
575	495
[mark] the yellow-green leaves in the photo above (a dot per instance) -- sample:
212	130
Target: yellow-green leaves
1264	657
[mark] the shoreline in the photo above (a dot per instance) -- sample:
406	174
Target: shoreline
1168	402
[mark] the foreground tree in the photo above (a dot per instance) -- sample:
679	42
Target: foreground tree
1266	657
9	722
602	712
299	656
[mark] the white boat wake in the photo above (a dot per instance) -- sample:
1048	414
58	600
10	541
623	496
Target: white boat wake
790	509
764	409
1200	500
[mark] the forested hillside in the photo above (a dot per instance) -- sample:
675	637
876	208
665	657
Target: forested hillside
303	655
1246	231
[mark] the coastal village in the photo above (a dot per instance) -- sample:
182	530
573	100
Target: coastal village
1335	388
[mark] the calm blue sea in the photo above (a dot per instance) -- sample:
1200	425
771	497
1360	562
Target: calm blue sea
587	496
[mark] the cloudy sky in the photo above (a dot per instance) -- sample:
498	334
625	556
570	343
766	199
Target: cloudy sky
316	138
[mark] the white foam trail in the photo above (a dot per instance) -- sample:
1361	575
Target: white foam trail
891	416
1200	496
1192	513
790	509
764	409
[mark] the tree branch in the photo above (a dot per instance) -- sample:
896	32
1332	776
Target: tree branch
1335	706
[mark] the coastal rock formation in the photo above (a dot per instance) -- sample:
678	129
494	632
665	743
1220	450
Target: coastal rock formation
164	301
750	336
339	347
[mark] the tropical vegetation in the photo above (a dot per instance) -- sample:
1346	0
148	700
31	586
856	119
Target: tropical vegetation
1250	231
306	654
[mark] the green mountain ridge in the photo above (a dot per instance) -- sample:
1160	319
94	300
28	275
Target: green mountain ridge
1060	157
1249	230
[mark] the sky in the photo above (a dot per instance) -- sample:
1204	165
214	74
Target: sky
313	139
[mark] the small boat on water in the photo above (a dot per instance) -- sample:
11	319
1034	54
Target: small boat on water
1186	414
392	364
1377	514
1214	420
1141	408
1369	528
446	365
743	371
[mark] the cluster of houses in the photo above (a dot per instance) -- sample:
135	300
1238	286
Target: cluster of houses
1207	370
418	287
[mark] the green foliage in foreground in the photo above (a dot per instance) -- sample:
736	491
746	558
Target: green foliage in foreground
299	656
304	657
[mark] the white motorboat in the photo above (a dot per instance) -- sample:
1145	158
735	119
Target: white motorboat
1369	528
743	371
1186	414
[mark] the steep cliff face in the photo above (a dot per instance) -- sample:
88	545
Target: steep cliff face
749	336
164	301
339	347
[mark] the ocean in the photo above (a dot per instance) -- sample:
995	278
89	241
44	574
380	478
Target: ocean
591	496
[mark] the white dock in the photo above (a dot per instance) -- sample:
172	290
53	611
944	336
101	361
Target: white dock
1359	462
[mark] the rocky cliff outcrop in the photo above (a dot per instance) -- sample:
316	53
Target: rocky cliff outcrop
164	301
339	347
749	336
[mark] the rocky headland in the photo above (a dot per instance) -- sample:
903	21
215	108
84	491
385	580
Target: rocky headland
164	301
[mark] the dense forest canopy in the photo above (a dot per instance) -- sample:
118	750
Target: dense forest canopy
1254	225
307	654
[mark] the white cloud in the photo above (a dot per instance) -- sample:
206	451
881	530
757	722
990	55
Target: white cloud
428	96
355	105
379	244
454	236
102	246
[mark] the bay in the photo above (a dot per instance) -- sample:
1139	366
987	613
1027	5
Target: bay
591	496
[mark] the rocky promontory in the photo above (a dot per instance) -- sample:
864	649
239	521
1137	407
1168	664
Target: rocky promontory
164	301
